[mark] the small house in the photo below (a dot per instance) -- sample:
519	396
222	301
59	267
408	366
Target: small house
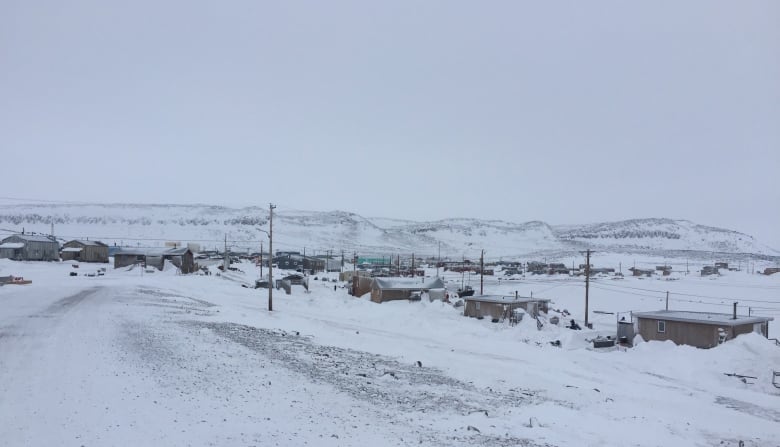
641	272
182	258
557	269
84	251
708	270
293	260
30	247
498	307
700	329
296	279
389	289
537	268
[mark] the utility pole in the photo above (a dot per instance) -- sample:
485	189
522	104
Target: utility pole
261	260
271	207
439	261
587	284
354	274
482	273
412	264
226	259
342	261
667	300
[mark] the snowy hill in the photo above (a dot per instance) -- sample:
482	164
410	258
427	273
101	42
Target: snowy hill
153	225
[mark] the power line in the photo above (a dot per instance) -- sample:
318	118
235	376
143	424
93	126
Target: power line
692	294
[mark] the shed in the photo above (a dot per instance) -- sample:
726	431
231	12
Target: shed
295	279
708	270
641	272
84	251
700	329
497	306
388	289
183	258
30	247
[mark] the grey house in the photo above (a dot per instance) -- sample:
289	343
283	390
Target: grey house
700	329
28	247
497	307
389	289
156	257
292	260
84	251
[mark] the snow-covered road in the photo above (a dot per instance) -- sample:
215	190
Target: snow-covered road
137	366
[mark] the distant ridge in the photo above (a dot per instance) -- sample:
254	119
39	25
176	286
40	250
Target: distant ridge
152	225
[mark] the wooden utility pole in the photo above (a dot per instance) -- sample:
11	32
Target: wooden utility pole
271	207
412	264
226	260
439	261
667	300
482	272
261	260
587	284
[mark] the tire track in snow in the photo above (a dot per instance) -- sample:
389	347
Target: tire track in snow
389	386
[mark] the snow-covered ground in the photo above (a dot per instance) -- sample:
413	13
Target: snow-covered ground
135	358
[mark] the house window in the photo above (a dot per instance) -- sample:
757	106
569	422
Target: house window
477	304
661	326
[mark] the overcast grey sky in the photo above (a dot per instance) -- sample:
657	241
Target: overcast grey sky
567	112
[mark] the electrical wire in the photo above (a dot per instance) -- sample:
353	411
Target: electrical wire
690	294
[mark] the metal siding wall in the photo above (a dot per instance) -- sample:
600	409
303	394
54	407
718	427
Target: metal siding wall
41	251
693	334
742	329
124	260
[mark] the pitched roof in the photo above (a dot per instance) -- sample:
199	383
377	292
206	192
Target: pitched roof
177	251
406	284
88	243
500	299
145	251
702	317
32	238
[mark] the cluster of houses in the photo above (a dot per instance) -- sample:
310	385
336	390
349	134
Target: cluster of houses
35	247
700	329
